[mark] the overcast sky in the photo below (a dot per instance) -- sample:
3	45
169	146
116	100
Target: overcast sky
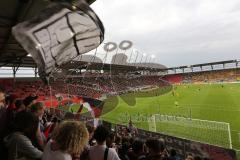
178	32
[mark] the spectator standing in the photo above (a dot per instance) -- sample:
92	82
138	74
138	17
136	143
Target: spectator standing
156	149
28	101
137	152
19	143
3	122
100	151
173	155
2	97
132	129
68	139
38	110
19	105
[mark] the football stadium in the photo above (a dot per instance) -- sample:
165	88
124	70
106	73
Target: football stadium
67	93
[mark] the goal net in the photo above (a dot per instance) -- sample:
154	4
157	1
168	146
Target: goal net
211	132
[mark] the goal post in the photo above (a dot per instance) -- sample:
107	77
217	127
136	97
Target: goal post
229	135
152	124
211	132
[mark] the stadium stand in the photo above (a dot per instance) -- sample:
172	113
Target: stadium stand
125	143
32	130
176	79
226	75
92	87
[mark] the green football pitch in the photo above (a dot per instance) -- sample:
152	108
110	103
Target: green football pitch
198	112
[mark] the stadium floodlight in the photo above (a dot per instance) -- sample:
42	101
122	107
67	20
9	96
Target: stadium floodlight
146	58
152	58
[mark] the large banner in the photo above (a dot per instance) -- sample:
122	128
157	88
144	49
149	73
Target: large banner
58	34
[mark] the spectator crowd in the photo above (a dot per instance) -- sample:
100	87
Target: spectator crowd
227	75
28	131
92	87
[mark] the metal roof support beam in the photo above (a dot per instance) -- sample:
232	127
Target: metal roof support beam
15	21
35	72
192	69
183	70
15	69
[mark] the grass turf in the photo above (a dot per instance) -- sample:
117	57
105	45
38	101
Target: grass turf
214	102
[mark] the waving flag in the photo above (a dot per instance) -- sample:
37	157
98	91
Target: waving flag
58	34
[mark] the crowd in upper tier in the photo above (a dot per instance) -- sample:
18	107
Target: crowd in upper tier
231	75
92	87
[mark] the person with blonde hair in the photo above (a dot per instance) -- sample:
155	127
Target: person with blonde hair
68	139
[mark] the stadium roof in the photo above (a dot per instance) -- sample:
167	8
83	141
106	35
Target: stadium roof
204	64
12	54
11	13
101	66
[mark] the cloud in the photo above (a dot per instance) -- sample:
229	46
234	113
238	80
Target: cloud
177	32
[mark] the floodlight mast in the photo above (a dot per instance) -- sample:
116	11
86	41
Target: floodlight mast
151	57
136	57
130	56
154	58
146	58
141	58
